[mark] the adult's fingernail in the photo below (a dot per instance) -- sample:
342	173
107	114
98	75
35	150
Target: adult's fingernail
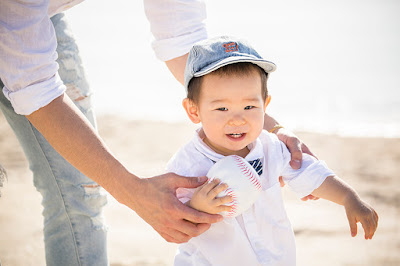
201	179
295	164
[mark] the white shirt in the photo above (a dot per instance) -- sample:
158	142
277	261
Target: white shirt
28	66
262	235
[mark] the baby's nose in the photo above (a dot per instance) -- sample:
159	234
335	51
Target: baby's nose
237	120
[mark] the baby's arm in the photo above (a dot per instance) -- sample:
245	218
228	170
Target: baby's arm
205	198
336	190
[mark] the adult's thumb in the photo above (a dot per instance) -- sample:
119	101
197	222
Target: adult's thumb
190	182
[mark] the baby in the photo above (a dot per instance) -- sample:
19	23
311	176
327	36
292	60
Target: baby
226	82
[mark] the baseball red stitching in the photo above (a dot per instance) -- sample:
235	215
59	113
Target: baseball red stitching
234	206
247	172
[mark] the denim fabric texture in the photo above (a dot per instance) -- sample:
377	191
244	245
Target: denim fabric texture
74	228
209	55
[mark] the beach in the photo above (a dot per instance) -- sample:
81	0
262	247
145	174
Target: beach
337	79
370	165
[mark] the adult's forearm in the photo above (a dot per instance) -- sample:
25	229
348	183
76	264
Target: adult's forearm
153	199
177	67
269	122
68	131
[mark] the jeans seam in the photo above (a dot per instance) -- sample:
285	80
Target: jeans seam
59	192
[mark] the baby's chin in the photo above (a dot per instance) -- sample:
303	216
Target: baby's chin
240	151
232	148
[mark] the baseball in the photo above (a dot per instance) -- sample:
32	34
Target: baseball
243	183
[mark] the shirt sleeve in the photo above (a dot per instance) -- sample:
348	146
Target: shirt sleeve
306	179
28	66
176	25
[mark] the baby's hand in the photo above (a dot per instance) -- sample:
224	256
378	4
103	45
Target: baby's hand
205	198
359	211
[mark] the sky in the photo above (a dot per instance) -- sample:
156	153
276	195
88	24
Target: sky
337	61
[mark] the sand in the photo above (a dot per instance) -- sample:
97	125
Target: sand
371	165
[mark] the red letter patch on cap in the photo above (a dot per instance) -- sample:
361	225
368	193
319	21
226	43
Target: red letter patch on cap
230	47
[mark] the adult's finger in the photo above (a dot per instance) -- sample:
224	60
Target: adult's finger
294	147
188	182
169	238
177	226
293	143
186	230
159	206
198	217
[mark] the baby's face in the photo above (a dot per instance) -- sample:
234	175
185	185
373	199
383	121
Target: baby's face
231	110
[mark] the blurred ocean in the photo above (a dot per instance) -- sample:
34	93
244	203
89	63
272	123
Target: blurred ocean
338	61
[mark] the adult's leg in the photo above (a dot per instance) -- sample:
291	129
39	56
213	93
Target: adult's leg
74	230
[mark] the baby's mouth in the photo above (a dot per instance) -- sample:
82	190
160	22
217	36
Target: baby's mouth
236	135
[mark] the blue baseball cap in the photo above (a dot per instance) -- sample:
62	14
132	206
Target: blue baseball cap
208	55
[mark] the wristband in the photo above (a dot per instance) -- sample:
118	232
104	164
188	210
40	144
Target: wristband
276	127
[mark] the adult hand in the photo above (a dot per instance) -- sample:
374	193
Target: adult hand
294	144
154	200
296	148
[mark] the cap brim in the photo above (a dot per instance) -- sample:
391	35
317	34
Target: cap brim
264	64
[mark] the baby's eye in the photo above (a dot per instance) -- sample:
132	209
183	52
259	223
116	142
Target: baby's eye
222	109
249	107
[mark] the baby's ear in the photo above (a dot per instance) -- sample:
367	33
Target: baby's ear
267	101
191	110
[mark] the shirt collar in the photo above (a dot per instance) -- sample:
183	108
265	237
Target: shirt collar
256	150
